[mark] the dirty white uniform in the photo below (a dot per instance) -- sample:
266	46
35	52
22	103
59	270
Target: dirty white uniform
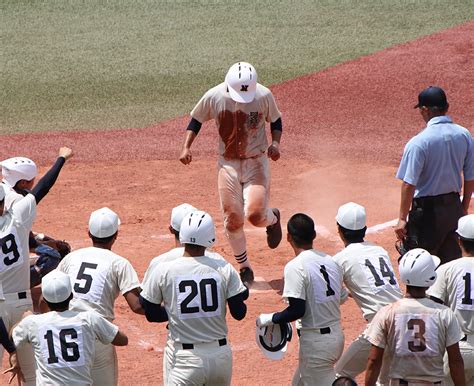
415	332
15	296
171	255
194	291
455	287
63	344
243	169
98	276
370	278
316	278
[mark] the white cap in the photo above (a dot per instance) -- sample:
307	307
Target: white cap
241	80
103	223
56	286
351	216
3	193
466	227
18	168
178	213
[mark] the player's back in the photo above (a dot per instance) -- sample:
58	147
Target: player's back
369	276
98	276
322	279
15	227
195	292
417	334
63	343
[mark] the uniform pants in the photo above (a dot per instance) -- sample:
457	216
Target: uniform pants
467	352
244	189
354	360
433	222
11	310
207	364
317	357
105	367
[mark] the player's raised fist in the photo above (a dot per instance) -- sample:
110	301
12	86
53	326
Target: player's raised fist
186	156
65	152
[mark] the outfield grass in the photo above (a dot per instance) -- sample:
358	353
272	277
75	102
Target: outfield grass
69	65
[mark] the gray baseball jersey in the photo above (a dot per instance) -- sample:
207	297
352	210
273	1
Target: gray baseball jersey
455	287
15	227
316	278
63	343
194	291
97	277
369	276
415	332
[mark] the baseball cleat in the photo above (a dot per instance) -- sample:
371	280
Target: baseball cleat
274	234
246	275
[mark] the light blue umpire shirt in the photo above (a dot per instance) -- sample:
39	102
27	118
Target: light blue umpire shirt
434	159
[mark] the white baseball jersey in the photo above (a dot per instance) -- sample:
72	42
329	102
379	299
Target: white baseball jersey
11	197
369	276
241	125
15	227
97	277
455	287
415	332
63	343
194	291
316	278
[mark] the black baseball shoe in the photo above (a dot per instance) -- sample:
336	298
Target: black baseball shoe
246	275
274	234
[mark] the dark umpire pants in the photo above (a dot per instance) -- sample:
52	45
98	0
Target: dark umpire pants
432	224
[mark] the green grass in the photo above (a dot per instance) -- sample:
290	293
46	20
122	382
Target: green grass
68	65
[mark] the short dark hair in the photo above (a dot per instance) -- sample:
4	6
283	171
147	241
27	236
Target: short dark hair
353	236
101	240
467	244
344	381
59	306
301	228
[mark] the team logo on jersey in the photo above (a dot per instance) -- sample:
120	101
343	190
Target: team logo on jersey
252	119
244	87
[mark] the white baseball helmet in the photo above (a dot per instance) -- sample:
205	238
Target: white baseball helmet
178	213
18	168
197	228
273	340
418	268
241	80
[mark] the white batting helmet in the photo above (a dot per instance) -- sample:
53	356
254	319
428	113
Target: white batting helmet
241	80
418	268
18	168
197	228
273	340
178	213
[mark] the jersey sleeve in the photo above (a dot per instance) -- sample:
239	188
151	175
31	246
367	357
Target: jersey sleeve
294	281
453	331
203	110
376	333
24	210
439	288
411	164
234	284
104	330
272	112
20	333
151	289
127	278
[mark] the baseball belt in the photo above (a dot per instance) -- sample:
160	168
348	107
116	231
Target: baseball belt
191	346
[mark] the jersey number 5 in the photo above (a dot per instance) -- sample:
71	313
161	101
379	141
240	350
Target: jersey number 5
84	287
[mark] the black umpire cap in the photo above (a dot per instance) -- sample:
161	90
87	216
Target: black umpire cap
432	97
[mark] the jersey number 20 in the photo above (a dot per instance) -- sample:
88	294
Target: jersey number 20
206	304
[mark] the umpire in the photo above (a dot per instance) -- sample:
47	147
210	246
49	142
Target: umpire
431	168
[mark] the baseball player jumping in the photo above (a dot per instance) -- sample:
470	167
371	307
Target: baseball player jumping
370	278
98	275
455	288
313	288
240	107
415	331
195	290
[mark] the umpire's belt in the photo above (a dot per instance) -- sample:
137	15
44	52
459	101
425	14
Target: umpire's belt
216	343
16	296
432	201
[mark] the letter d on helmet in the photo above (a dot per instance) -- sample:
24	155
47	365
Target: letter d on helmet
418	268
197	228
